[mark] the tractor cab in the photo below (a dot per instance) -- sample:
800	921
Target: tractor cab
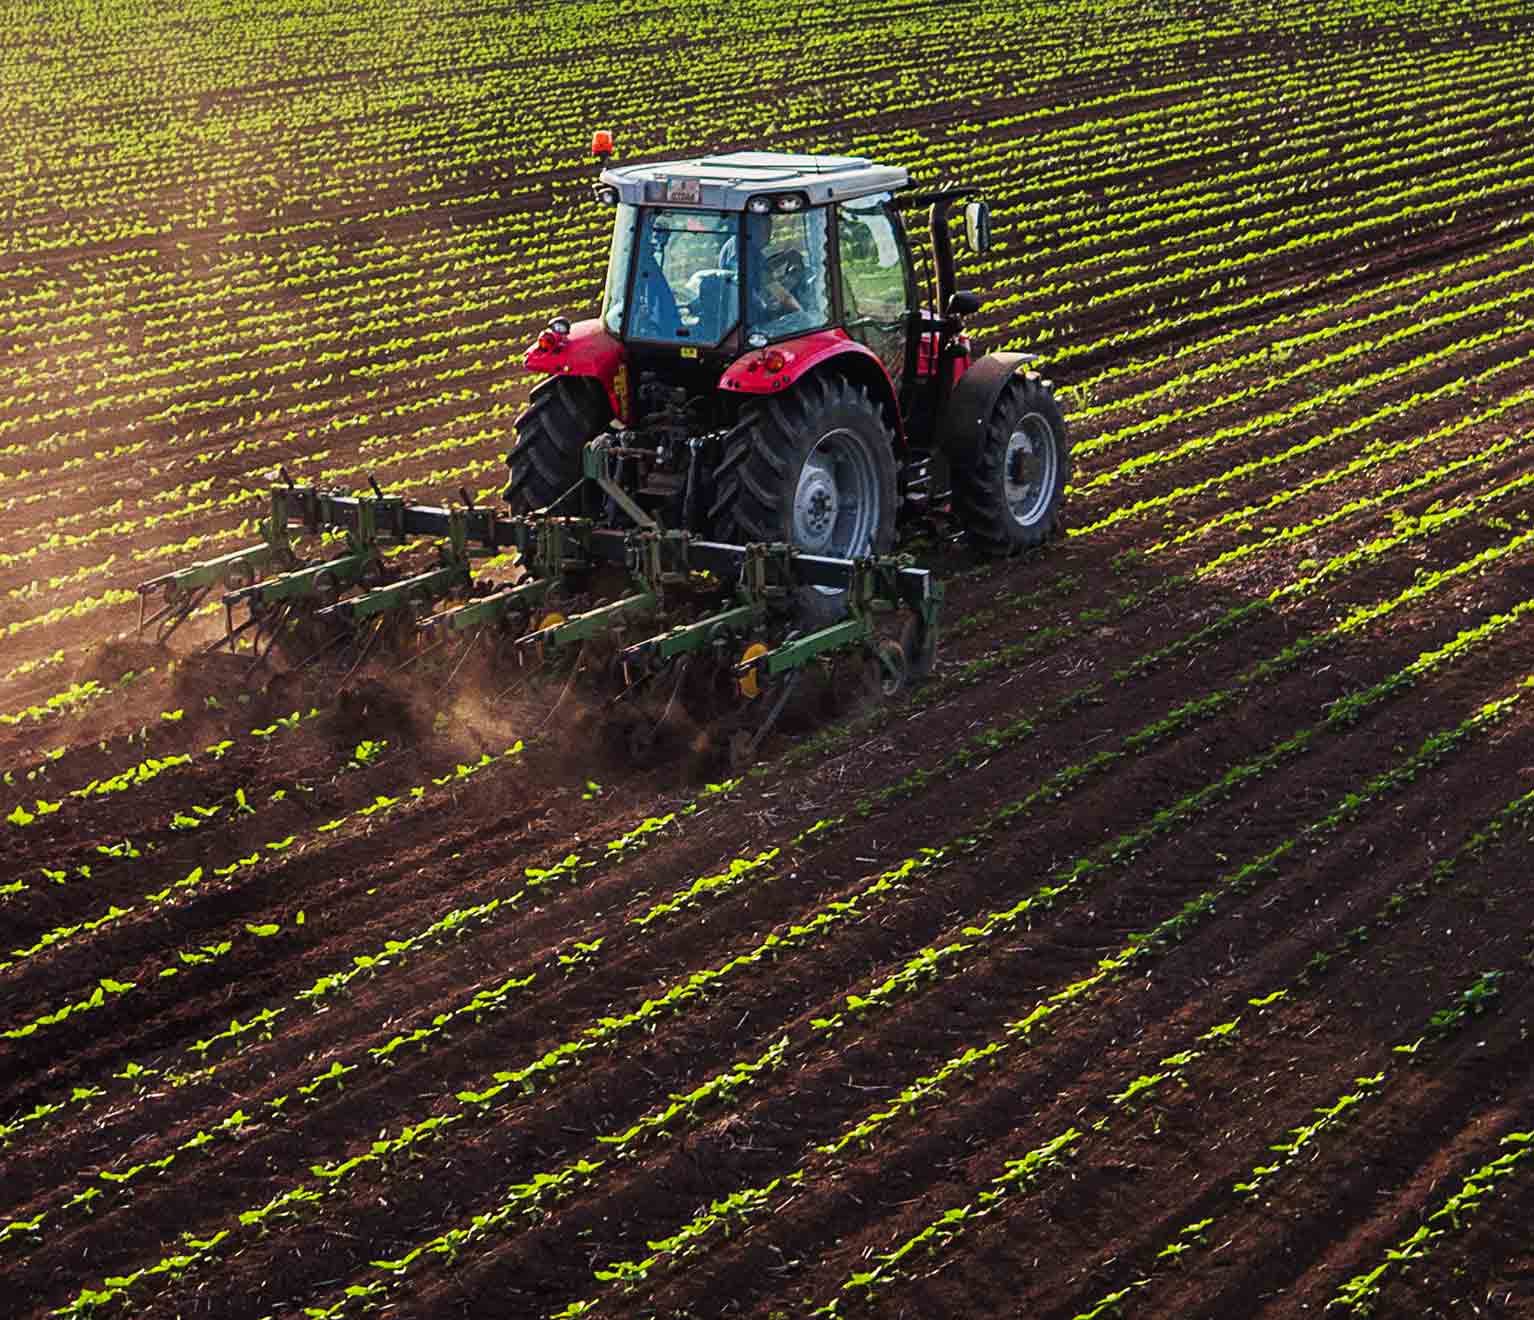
739	251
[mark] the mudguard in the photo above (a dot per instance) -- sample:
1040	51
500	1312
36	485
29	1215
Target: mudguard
968	412
588	350
750	374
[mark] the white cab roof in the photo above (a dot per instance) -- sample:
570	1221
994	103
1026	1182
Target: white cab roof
727	182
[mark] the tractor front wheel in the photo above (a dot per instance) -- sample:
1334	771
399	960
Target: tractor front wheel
1007	497
563	413
815	467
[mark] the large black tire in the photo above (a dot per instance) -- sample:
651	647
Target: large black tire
563	413
1008	496
815	467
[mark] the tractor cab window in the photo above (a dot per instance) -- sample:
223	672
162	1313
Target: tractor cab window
618	258
786	270
685	284
875	290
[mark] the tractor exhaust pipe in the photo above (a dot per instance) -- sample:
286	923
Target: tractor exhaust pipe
942	251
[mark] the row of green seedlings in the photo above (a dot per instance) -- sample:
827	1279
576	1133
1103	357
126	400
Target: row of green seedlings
1169	140
930	963
1219	253
1405	212
1297	1143
1167	258
727	1215
333	342
1171	500
1212	311
1357	348
49	536
1360	1294
1286	154
1279	533
1348	809
1315	572
199	877
1286	416
184	819
141	770
368	313
1243	348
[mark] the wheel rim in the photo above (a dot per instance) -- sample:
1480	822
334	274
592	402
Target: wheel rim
1028	473
836	500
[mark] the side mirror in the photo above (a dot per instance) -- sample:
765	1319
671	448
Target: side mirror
963	304
977	227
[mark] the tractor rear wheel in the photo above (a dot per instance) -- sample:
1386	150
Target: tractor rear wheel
814	467
1007	497
563	413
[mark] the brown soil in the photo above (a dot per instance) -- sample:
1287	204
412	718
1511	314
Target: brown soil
1120	727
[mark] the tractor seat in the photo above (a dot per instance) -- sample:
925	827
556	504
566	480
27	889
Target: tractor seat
716	303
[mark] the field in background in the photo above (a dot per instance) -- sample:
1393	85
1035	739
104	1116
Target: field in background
1167	954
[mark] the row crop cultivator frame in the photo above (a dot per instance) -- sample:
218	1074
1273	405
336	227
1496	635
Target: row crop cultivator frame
746	627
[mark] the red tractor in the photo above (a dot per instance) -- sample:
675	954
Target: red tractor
765	357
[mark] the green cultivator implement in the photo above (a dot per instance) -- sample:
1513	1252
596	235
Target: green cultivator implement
708	481
671	621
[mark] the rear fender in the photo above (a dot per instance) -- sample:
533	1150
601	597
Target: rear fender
588	350
963	424
828	349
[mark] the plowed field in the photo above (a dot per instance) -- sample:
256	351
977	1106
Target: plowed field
1167	953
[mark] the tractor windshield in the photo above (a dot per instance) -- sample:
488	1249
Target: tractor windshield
685	283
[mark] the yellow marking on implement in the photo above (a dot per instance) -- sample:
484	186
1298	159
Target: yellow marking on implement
749	687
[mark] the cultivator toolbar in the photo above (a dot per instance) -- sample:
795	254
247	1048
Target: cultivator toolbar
627	604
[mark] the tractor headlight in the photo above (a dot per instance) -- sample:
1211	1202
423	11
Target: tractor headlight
789	202
759	205
606	194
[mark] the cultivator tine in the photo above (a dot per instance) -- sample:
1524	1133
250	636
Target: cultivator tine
367	649
565	690
270	601
744	744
